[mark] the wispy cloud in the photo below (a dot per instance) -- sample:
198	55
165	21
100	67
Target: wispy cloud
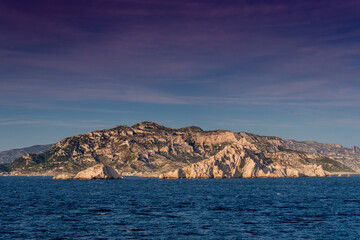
74	123
296	93
99	91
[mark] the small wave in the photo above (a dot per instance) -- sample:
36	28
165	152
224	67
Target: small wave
135	229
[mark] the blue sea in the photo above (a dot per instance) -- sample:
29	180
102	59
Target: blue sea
149	208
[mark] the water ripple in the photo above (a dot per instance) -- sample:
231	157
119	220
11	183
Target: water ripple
146	208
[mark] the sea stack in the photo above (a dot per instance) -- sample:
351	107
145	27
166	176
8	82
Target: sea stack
99	171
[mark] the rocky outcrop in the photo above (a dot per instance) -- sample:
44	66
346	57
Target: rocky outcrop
99	171
146	147
63	176
347	156
237	161
149	149
355	149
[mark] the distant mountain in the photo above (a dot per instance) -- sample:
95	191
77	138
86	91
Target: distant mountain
190	152
348	156
10	155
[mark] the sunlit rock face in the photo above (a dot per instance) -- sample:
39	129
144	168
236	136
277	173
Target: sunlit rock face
148	148
237	161
99	171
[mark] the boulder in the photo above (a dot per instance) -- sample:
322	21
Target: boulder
63	176
99	171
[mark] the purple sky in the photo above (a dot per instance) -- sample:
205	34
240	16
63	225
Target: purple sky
285	68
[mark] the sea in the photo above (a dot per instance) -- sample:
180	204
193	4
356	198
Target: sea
150	208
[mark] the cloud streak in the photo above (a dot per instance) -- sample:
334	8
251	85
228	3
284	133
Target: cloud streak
55	123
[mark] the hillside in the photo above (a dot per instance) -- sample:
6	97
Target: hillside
10	155
348	156
149	148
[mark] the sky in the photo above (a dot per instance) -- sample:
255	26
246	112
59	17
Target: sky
278	68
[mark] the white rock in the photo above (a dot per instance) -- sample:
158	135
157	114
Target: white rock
236	161
99	171
63	176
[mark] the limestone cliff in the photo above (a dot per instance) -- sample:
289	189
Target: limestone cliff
348	156
99	171
149	148
237	161
143	148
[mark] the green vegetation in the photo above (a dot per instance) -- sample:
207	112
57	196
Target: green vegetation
333	166
292	151
329	164
272	138
218	148
5	167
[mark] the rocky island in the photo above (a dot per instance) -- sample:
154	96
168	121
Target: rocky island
150	149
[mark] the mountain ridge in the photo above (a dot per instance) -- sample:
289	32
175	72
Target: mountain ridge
151	148
8	156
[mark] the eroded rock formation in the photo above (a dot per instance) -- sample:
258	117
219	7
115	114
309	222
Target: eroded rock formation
99	171
148	148
237	161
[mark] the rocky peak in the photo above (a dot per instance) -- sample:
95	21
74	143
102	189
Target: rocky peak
191	129
117	128
356	149
148	125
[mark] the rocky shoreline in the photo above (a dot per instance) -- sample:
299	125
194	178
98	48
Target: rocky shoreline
99	171
154	175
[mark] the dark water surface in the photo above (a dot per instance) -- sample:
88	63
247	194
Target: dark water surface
148	208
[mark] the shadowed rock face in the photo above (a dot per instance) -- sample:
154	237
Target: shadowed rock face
149	148
99	171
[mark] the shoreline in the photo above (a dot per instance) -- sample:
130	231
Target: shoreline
144	175
344	173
